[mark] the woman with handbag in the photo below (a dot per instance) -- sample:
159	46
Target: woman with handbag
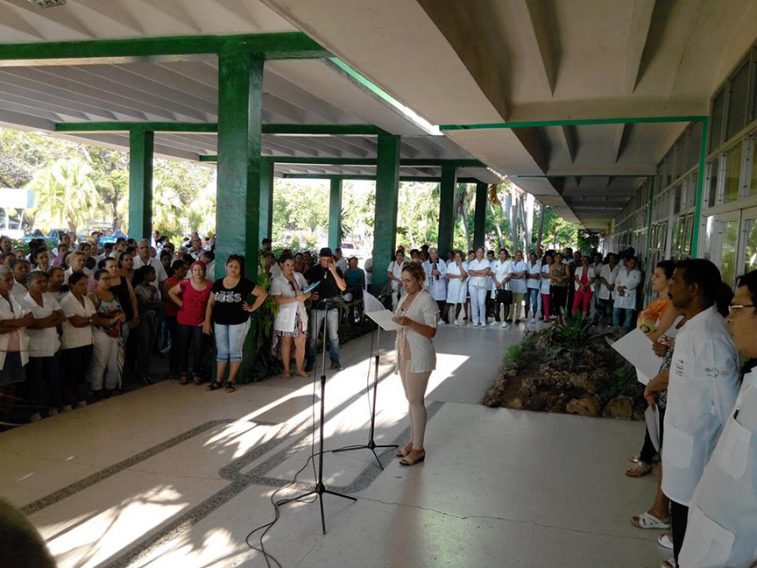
291	322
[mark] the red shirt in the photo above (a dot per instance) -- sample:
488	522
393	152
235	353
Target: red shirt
192	311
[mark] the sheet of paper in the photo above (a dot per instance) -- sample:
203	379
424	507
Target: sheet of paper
378	313
636	348
312	287
652	418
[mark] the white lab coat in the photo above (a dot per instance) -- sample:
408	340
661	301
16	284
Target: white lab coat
579	274
722	527
436	286
631	281
455	286
608	274
704	382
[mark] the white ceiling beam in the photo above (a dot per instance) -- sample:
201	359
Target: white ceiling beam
172	9
603	169
638	35
112	10
19	120
567	136
540	40
15	24
619	136
62	19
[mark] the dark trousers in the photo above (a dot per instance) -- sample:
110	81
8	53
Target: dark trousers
43	383
173	358
75	364
147	335
502	299
604	308
679	515
191	340
647	450
442	310
559	299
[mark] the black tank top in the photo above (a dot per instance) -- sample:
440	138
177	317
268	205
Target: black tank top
122	293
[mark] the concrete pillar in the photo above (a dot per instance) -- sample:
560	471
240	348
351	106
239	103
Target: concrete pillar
335	213
447	210
479	219
387	197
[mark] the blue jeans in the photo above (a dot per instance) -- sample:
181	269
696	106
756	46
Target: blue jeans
332	322
230	340
617	313
532	301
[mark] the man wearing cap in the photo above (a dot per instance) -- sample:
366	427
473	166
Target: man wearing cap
331	286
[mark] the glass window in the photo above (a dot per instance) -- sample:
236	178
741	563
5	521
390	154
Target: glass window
738	101
733	167
716	127
753	184
728	251
709	225
712	193
688	234
750	246
677	192
676	243
695	139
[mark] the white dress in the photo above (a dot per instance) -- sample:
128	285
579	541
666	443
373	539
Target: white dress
455	286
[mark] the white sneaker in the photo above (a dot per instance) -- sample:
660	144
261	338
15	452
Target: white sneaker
476	324
494	324
533	320
504	325
457	322
440	322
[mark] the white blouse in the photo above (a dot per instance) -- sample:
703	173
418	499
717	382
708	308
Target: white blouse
425	310
6	313
42	342
76	336
287	315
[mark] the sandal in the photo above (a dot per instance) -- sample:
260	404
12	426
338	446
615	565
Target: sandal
215	385
648	521
286	375
409	460
665	541
301	374
639	470
183	379
403	451
230	386
671	563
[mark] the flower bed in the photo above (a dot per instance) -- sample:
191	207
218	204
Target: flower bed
568	368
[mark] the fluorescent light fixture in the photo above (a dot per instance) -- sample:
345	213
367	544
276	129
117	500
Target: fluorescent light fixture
407	112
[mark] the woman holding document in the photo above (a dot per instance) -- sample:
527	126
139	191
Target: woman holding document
417	313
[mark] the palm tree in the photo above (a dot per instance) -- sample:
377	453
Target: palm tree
64	194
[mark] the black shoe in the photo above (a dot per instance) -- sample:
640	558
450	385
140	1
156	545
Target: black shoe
335	365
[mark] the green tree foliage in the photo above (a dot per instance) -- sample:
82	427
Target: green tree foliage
557	231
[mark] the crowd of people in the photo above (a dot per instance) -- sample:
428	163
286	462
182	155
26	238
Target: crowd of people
704	416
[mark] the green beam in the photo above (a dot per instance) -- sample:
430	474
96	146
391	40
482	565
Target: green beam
573	122
344	177
335	213
131	126
240	105
288	45
416	162
447	210
265	229
700	187
479	217
212	127
140	183
387	200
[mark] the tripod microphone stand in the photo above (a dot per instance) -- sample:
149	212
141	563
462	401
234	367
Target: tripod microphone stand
320	488
371	444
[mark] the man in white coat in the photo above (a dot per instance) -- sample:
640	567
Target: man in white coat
704	382
436	279
626	286
722	522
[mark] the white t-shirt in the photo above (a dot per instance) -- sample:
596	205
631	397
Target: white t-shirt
42	342
501	269
533	269
546	283
76	336
478	281
518	285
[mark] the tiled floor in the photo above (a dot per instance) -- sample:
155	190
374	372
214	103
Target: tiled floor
174	476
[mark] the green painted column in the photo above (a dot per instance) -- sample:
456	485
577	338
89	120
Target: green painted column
335	213
387	198
447	210
267	180
141	144
240	102
479	218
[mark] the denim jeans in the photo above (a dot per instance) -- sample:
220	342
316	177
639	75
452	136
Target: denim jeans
230	340
532	301
332	321
617	313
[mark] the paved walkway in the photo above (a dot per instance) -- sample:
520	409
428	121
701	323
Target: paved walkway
176	476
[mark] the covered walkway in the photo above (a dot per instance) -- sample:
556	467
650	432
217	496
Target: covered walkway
176	476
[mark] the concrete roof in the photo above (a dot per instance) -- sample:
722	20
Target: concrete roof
535	60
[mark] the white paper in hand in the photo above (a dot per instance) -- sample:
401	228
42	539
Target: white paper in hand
378	313
652	418
636	348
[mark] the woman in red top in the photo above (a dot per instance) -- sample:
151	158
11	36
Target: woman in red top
191	296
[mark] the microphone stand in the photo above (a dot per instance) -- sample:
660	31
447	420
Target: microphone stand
320	488
371	444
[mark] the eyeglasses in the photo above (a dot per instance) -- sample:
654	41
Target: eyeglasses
735	307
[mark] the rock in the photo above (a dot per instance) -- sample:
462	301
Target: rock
515	404
584	407
535	402
620	407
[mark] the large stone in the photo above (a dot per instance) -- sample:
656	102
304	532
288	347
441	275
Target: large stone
620	407
584	407
516	404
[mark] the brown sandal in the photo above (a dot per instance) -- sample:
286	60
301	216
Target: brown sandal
230	386
409	460
404	450
639	470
